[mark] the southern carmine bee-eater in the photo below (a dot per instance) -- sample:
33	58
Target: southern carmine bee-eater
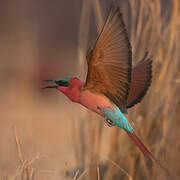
112	84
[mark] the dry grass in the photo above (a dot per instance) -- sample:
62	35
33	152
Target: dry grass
25	170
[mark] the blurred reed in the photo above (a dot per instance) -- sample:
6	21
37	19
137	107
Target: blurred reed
156	29
78	131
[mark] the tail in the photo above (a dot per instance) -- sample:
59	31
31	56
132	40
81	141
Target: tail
141	146
145	151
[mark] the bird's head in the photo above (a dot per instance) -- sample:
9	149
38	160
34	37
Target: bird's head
65	85
62	84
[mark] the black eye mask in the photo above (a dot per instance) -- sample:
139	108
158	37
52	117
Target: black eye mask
62	83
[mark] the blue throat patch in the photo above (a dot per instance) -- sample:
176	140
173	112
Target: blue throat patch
117	117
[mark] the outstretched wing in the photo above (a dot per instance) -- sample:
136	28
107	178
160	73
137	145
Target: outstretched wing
109	63
140	81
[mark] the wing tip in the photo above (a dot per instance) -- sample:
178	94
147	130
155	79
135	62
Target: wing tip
148	65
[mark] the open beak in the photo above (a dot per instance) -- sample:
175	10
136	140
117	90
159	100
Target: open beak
49	86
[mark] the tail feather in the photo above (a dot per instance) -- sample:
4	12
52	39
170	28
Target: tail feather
145	151
141	146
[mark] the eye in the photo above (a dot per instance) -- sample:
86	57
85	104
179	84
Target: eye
62	83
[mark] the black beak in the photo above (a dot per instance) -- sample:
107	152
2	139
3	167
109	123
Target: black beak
49	86
49	80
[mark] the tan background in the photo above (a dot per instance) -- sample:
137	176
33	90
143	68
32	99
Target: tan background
39	40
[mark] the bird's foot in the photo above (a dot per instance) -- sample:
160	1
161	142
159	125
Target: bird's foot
109	122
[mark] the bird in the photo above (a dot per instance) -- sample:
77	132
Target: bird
113	84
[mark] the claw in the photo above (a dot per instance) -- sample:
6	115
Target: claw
109	122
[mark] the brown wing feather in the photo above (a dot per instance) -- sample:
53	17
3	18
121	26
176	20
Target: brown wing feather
140	81
109	64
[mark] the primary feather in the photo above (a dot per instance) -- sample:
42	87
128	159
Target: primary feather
109	63
141	78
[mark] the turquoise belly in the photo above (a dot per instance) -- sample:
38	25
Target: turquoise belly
117	117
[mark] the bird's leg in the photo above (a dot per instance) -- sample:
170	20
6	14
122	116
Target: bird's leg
109	122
